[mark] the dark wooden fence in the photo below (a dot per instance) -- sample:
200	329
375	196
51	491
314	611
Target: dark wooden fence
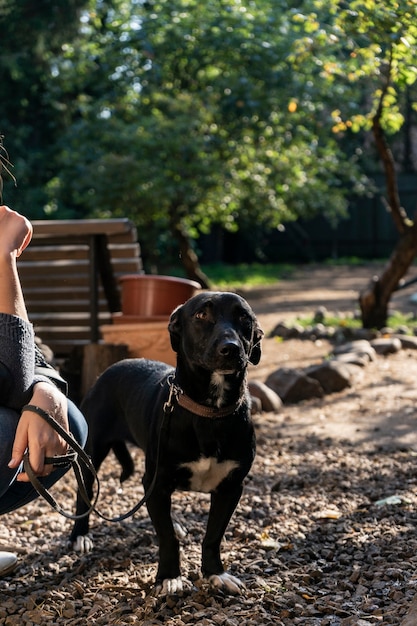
367	233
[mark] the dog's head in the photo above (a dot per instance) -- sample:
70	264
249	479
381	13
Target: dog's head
217	331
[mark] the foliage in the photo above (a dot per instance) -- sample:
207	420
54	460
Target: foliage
192	121
30	110
381	42
5	166
184	114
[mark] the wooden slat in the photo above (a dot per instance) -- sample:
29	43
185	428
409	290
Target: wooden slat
55	271
72	332
70	283
81	228
71	268
80	318
35	253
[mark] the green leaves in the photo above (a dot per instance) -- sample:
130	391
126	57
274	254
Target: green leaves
209	129
218	112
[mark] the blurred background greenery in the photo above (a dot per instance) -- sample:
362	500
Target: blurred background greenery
223	129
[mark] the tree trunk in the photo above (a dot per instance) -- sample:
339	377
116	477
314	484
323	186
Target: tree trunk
189	258
374	300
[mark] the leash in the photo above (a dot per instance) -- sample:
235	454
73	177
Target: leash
72	459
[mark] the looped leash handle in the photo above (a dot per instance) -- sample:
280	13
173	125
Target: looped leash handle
65	460
72	459
62	461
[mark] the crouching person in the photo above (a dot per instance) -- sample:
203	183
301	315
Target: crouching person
28	387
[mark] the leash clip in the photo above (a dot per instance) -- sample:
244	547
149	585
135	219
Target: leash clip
174	392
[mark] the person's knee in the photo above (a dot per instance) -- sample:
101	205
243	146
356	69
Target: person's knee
8	423
6	383
77	423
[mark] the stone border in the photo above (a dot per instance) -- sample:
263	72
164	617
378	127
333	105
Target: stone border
353	349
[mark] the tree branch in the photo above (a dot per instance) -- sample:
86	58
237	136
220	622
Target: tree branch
399	215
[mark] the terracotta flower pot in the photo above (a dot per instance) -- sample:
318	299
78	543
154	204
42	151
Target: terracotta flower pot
148	295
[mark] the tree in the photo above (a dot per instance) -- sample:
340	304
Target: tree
184	115
371	49
30	112
399	72
196	118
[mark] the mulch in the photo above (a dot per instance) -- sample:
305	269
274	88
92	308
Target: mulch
324	535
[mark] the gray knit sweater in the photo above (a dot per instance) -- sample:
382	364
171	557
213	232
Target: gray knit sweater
21	360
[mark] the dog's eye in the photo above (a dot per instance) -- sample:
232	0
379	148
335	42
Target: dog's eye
201	315
244	317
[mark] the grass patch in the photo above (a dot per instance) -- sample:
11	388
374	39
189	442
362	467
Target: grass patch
395	320
247	275
342	321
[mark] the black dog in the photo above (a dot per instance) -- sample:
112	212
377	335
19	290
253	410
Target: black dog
193	423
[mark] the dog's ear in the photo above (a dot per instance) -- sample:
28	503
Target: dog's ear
256	351
174	328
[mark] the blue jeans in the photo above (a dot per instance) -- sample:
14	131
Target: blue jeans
15	494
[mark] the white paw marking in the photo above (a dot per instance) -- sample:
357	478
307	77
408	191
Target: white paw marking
83	544
207	473
170	587
180	530
227	582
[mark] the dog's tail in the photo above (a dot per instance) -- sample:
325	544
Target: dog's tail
123	456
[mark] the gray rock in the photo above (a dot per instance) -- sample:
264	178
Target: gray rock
268	398
402	330
408	342
386	345
352	358
333	375
320	315
360	347
293	385
256	405
286	332
364	333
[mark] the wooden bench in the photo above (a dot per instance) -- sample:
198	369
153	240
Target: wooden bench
69	275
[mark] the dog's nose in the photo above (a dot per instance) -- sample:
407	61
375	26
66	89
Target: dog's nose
230	347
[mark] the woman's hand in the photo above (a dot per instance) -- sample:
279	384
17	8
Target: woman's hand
36	435
15	231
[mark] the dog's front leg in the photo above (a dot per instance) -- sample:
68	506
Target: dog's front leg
168	578
223	504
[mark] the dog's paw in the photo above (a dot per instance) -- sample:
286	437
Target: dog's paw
170	587
228	583
83	544
180	530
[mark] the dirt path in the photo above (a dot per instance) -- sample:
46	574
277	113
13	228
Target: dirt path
335	287
380	406
325	533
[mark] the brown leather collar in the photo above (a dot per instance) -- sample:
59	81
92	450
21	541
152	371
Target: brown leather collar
205	411
194	407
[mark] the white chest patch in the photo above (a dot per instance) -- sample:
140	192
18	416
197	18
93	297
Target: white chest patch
208	473
219	383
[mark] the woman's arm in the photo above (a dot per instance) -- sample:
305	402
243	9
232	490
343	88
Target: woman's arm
15	235
18	355
16	333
